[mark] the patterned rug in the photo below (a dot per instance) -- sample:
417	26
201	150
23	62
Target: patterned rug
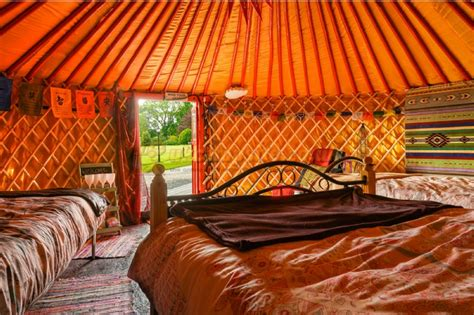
111	246
99	294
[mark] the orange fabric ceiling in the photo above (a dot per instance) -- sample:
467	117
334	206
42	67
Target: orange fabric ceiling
273	48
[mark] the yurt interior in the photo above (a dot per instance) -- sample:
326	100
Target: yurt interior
330	167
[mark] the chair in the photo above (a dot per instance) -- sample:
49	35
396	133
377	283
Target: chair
322	158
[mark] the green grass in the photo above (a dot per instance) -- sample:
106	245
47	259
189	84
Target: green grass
172	156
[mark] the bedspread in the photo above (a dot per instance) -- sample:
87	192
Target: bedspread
452	190
419	266
38	238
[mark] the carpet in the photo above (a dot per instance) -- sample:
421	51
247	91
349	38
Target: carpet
99	294
115	246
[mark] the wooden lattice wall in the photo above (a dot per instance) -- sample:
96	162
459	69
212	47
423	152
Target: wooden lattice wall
234	143
38	152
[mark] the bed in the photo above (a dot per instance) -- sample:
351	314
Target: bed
416	266
40	231
451	189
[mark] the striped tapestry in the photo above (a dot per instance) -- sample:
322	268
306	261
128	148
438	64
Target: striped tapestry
439	133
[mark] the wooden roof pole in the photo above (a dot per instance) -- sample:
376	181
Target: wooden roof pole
140	46
319	11
438	41
279	50
159	38
460	13
354	46
84	40
29	53
18	18
206	49
255	60
290	51
99	42
369	47
303	52
196	46
8	7
171	45
129	41
419	40
183	45
115	41
340	45
388	50
236	48
248	32
384	14
87	15
315	49
270	59
218	47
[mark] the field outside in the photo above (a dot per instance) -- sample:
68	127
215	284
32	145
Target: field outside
172	156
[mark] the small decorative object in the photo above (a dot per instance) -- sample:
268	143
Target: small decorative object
85	104
61	103
30	99
106	104
112	222
362	151
235	92
5	93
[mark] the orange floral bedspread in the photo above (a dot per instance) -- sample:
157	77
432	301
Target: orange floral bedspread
420	266
38	238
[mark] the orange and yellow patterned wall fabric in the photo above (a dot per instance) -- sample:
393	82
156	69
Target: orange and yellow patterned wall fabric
39	152
247	132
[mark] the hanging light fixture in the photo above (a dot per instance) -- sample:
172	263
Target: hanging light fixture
235	92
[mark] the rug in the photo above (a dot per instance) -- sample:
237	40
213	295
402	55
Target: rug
111	246
99	294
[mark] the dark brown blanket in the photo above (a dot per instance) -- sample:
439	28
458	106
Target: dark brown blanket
251	221
97	202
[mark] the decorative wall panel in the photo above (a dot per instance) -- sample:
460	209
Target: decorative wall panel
440	129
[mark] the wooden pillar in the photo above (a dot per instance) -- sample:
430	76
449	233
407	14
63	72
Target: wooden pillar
198	146
158	194
369	173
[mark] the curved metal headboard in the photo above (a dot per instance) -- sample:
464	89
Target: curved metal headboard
276	175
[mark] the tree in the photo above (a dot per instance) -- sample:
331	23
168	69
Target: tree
185	136
145	138
162	116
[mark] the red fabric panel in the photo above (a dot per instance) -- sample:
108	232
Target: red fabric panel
129	177
322	157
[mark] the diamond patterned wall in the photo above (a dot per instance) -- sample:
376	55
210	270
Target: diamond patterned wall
45	152
234	143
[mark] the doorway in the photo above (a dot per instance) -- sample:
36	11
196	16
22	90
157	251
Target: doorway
165	138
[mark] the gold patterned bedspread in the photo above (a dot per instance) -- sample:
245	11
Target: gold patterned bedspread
38	238
420	266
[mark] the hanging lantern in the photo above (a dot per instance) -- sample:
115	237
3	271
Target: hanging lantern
235	92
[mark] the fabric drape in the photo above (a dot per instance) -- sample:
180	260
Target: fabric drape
129	176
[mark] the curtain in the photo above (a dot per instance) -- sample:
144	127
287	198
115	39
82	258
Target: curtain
133	194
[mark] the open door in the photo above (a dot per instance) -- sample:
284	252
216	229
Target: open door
197	127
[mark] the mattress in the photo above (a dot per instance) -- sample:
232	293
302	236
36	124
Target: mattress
419	266
38	238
